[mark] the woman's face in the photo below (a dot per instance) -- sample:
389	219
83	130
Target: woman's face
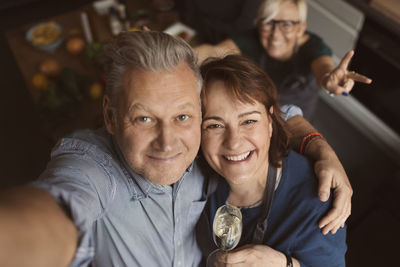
279	40
235	136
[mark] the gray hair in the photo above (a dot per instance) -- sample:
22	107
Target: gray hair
146	50
269	8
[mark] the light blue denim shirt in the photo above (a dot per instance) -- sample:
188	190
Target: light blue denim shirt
122	218
289	111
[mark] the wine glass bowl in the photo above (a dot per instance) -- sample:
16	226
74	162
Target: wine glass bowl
227	227
227	230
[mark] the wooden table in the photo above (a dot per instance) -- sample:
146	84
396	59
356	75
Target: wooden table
28	58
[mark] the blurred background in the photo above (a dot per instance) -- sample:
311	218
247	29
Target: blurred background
51	83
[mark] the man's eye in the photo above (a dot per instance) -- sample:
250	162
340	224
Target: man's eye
183	117
143	119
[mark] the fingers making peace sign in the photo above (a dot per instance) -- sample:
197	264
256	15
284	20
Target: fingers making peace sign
340	81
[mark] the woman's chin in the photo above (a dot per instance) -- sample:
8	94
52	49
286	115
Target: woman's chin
237	180
278	54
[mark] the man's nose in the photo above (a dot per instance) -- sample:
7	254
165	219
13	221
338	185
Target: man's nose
232	139
165	138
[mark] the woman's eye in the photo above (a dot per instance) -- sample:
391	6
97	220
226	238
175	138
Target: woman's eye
249	122
183	117
214	126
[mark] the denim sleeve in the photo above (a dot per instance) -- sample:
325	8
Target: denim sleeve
289	111
83	188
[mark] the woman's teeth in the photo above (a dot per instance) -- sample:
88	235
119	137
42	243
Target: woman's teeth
238	157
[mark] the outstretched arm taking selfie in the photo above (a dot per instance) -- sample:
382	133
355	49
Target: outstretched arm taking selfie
329	170
34	230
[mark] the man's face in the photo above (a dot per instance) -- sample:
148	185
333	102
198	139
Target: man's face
158	119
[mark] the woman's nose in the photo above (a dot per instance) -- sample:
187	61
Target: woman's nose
232	139
276	31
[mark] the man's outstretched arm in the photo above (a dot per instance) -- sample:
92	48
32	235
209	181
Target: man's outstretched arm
34	230
329	170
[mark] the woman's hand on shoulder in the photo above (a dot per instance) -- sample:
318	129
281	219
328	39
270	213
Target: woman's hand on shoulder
331	175
221	49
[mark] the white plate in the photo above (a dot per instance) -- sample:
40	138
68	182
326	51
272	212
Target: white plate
179	29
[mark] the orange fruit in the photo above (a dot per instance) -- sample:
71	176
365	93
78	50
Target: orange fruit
75	45
49	67
40	81
95	90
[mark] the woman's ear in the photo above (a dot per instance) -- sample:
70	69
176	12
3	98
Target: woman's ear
271	111
109	115
302	29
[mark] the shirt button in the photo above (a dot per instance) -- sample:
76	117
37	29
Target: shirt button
179	263
179	243
177	220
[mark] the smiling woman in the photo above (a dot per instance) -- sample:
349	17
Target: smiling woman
246	143
298	61
236	137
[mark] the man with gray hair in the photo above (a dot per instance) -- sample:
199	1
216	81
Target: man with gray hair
128	194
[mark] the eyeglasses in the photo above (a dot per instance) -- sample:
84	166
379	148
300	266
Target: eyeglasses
285	26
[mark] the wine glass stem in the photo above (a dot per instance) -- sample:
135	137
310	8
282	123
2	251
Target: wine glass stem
212	258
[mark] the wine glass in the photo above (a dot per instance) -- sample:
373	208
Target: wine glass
227	229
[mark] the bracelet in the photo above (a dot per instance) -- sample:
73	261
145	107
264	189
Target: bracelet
289	262
307	140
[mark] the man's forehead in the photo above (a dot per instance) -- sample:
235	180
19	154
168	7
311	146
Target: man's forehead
132	73
150	107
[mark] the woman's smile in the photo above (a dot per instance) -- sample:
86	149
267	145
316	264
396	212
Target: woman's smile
238	158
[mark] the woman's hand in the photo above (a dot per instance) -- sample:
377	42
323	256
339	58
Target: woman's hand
340	81
330	173
253	255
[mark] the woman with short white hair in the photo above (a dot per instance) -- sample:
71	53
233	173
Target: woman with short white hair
298	61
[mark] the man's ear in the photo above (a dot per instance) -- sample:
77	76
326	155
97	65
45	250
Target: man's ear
109	115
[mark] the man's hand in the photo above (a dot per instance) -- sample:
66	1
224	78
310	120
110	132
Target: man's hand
331	175
33	224
253	255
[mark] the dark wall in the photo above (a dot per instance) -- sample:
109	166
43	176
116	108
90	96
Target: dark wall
24	150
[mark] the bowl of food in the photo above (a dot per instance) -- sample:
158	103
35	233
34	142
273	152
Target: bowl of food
45	36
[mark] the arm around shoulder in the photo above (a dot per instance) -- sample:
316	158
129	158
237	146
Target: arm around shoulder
221	49
329	170
34	230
